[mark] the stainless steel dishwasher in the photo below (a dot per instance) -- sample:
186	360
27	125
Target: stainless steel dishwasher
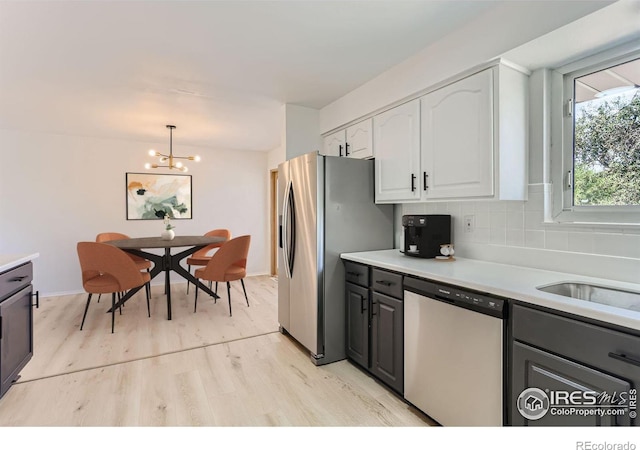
454	353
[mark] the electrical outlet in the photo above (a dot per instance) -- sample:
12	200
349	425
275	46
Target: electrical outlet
469	223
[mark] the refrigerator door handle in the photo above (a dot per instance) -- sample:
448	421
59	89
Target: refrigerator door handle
285	230
292	249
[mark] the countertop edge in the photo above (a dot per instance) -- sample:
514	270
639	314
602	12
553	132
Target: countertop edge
8	262
525	294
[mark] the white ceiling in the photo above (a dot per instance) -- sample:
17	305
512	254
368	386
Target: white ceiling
219	70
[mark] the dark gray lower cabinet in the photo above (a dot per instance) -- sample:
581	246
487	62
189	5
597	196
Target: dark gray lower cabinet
16	323
585	371
375	323
358	324
387	340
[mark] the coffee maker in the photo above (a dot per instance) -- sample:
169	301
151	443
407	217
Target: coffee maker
425	233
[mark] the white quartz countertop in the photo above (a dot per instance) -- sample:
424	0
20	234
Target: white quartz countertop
514	282
10	261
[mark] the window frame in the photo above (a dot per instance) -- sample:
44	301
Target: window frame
562	136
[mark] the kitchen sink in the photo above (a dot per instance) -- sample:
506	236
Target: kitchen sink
604	295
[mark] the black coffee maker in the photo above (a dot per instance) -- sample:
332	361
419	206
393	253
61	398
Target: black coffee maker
425	233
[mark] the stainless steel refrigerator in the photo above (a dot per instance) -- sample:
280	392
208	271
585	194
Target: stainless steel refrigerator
326	207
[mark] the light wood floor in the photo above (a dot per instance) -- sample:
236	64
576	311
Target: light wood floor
202	369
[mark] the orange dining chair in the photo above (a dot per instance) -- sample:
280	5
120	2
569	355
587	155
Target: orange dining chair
229	263
202	256
107	269
141	263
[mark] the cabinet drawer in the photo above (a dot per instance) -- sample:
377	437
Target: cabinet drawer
599	347
15	279
356	273
386	282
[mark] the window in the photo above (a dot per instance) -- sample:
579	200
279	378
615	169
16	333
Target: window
600	175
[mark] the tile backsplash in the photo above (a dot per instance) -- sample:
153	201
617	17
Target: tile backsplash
520	225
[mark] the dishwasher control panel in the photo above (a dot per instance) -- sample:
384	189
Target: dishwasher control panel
476	301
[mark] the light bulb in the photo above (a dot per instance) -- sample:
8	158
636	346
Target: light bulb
196	158
147	166
152	152
179	165
185	169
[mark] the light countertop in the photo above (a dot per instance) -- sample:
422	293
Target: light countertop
509	281
10	261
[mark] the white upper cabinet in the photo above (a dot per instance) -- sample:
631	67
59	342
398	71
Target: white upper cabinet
360	140
354	142
334	144
473	137
396	137
457	139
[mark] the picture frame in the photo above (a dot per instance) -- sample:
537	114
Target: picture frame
151	196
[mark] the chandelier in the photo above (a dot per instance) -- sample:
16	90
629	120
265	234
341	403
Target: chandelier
170	159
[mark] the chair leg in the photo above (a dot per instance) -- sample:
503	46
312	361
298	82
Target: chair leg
195	303
147	290
120	307
188	282
229	295
113	310
245	291
86	308
99	295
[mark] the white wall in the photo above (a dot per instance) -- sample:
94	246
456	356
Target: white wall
56	190
302	133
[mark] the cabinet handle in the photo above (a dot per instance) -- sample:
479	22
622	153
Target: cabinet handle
18	278
363	303
384	282
354	274
373	308
413	182
346	149
424	181
340	149
624	358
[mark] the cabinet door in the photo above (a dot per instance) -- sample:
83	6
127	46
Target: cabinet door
387	344
534	368
457	139
360	140
396	141
334	144
16	336
358	324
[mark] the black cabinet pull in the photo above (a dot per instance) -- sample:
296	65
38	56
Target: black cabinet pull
384	282
373	308
413	182
346	149
424	181
624	358
18	278
36	294
354	274
363	303
340	149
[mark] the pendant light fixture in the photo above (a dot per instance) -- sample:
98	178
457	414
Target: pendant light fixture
170	159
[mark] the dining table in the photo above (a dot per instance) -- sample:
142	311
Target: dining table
166	262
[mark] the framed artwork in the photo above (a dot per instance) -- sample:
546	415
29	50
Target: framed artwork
153	196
